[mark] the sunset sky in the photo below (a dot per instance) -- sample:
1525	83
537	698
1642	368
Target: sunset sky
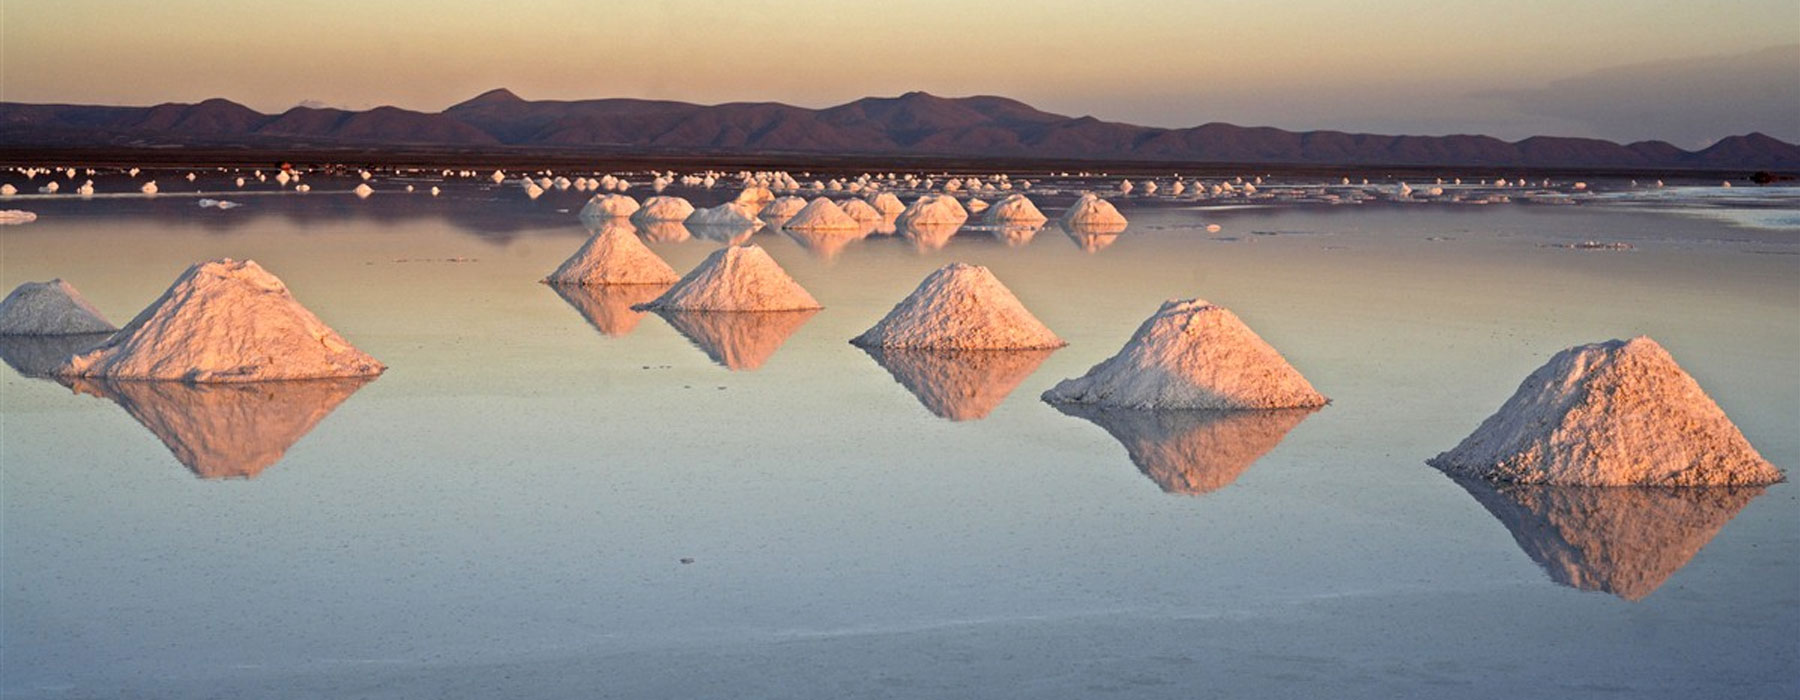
1688	72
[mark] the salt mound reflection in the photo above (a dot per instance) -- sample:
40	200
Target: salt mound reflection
728	234
737	340
927	237
608	307
1193	452
959	384
1621	540
39	355
826	244
221	431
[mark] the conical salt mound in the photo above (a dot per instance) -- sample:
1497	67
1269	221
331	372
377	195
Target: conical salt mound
1091	213
50	308
1193	452
736	278
608	307
960	307
821	214
1014	209
224	321
608	206
959	384
614	255
1191	355
1618	413
738	342
221	431
1626	542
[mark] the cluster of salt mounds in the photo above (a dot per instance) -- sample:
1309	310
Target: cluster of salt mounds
960	307
224	321
660	208
50	308
1091	213
821	214
959	385
609	206
614	255
1193	452
1015	209
735	278
1618	413
934	209
1191	355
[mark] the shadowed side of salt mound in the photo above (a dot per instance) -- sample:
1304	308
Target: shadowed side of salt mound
613	255
1618	413
50	308
960	307
223	431
42	355
608	308
1191	355
735	278
959	384
1193	452
224	321
1623	541
737	341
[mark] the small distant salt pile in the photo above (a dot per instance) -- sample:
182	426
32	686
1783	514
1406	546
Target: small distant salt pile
782	209
1618	413
498	177
960	307
7	190
1014	209
363	190
1091	213
609	206
435	191
1191	355
661	208
887	203
736	279
224	321
16	216
614	255
283	177
934	209
50	308
532	190
821	214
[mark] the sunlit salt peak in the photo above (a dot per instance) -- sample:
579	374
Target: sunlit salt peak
863	212
663	208
1191	354
614	255
609	206
50	308
1015	209
821	214
1616	413
960	307
224	321
934	209
736	278
887	203
1090	212
363	190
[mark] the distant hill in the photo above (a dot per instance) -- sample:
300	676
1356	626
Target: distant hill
915	123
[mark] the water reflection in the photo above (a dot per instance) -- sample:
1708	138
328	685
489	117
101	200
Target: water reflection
664	231
1621	540
723	233
608	307
1193	452
927	238
826	244
38	355
1092	240
221	431
959	384
737	340
1016	235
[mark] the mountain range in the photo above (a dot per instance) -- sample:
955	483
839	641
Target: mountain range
913	124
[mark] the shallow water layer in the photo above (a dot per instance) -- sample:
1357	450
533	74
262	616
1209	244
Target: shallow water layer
551	495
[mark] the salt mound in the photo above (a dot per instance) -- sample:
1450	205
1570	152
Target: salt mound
363	191
780	210
751	200
1618	413
50	308
934	209
863	212
959	385
608	307
821	214
1626	542
1193	452
1191	355
730	215
661	208
224	321
960	307
614	255
608	206
887	203
1014	209
736	341
1091	213
736	279
17	216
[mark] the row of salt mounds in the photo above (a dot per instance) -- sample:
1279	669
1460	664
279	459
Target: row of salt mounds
660	208
821	214
1015	209
735	279
613	255
1618	413
609	206
224	321
50	308
1091	213
934	209
960	307
1191	355
782	209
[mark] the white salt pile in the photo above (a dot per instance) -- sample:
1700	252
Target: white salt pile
1014	209
614	255
7	190
224	321
736	279
934	209
960	307
821	214
662	208
50	308
752	199
1618	413
1191	355
863	212
17	216
1090	212
363	190
729	214
887	203
609	206
780	210
148	188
